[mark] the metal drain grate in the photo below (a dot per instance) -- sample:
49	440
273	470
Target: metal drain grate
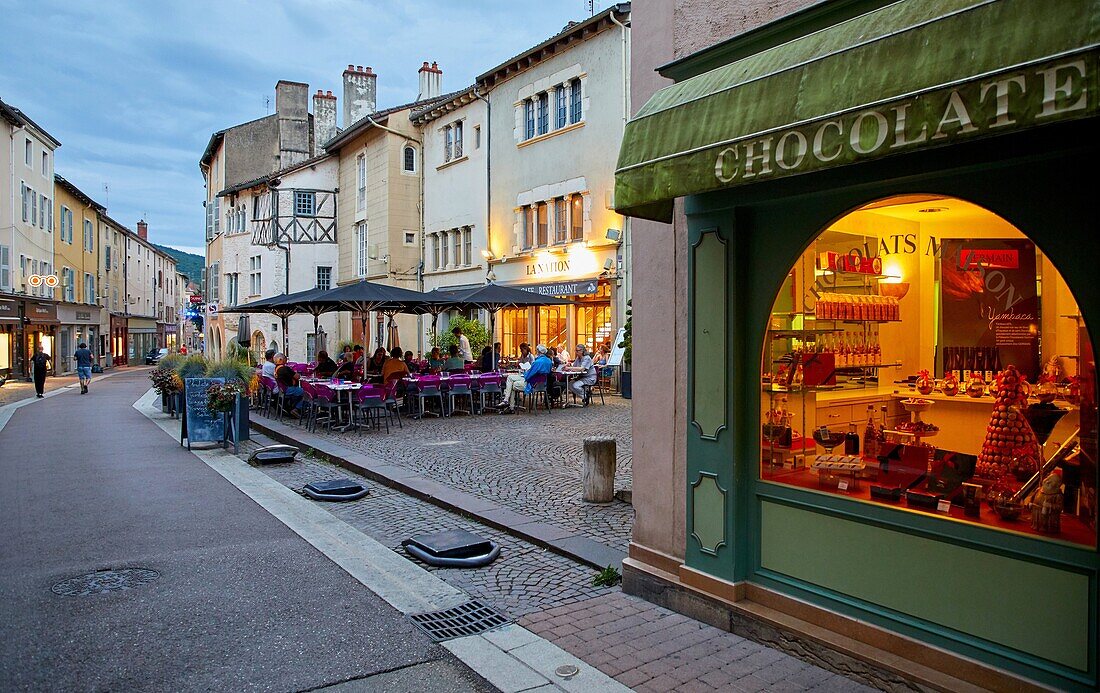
103	581
470	618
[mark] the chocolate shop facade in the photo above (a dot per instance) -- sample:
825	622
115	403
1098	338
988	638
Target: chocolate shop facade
884	443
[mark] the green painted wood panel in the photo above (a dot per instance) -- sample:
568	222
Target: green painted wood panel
709	343
1026	606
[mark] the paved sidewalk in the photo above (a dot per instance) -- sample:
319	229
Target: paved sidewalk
649	648
519	473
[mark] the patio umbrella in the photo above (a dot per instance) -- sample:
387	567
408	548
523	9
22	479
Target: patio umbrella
365	296
285	305
493	297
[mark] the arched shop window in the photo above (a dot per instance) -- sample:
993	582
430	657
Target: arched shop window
924	354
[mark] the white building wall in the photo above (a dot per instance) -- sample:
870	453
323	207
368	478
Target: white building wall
455	199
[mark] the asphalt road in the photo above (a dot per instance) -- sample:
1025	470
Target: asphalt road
241	602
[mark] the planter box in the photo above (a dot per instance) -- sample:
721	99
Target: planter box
625	384
242	417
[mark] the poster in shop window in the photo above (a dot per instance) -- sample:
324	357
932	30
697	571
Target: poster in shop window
989	306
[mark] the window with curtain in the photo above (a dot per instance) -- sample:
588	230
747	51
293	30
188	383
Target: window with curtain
361	249
89	288
562	109
434	250
444	257
543	223
88	237
456	239
561	214
544	113
529	119
448	143
457	128
361	183
575	101
576	217
467	242
68	284
528	227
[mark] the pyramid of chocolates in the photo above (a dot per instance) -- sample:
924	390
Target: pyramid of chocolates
1010	446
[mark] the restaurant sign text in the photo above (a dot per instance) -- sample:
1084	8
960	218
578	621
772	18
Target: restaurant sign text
1049	92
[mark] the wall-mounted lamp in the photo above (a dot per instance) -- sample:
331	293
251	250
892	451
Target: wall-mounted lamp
895	289
613	234
487	254
608	264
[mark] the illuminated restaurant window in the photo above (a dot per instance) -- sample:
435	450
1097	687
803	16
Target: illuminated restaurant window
594	324
925	354
513	326
553	328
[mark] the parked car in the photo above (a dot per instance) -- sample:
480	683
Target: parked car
154	356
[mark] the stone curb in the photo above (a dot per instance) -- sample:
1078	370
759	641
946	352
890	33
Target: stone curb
545	534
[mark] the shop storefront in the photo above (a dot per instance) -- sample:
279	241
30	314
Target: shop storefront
79	324
890	395
142	338
582	275
118	348
9	334
40	327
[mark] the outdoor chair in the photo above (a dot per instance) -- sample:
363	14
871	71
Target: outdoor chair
321	398
488	387
390	400
429	388
538	389
371	407
460	387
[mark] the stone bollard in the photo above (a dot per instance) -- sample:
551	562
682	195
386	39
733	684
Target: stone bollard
599	469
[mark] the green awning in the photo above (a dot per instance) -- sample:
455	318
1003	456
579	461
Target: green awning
913	74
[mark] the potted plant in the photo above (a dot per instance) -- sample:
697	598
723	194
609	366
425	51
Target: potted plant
226	399
241	376
625	385
166	383
473	329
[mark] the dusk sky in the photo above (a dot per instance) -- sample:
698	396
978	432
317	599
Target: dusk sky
133	90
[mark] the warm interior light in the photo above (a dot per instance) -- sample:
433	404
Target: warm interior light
891	269
896	289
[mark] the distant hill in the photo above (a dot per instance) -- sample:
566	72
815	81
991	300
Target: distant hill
187	263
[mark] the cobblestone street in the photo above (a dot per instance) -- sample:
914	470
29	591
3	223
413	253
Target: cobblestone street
529	463
525	579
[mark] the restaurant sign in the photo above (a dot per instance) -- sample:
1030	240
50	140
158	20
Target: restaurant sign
1011	100
573	288
9	309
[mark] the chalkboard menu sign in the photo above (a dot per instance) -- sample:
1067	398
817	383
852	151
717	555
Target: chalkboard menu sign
199	423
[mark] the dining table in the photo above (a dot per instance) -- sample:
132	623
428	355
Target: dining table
340	387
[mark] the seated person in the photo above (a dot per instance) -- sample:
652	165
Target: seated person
581	387
375	363
525	355
345	354
454	362
485	363
326	367
541	366
411	362
435	359
395	366
269	364
288	382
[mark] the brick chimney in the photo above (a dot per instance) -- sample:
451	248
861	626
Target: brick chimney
143	230
324	118
360	91
431	81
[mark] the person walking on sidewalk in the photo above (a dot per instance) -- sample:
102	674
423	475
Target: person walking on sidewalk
83	358
40	364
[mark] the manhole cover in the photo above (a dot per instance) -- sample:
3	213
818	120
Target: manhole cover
102	581
470	618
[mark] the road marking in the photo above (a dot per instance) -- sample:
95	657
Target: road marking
498	657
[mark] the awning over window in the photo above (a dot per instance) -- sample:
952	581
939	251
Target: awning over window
914	74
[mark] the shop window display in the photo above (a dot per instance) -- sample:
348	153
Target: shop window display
924	354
